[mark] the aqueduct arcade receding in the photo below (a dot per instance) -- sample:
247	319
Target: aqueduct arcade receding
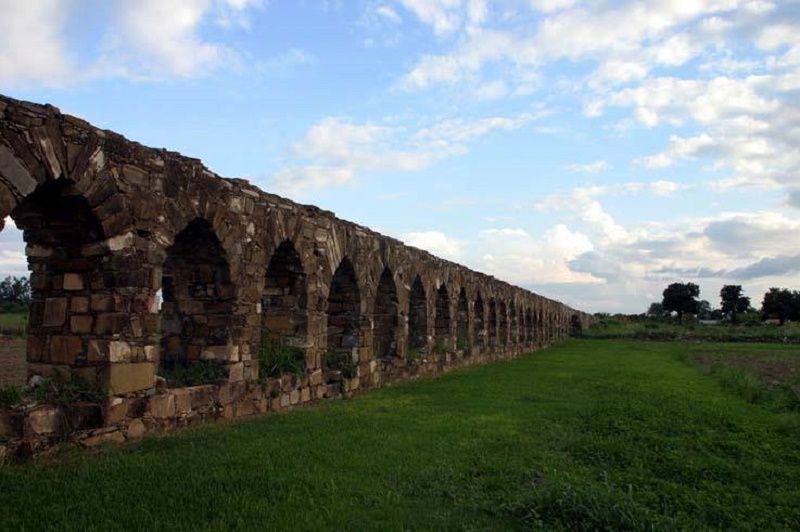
111	226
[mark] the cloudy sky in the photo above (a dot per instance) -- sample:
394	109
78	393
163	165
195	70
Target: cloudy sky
593	151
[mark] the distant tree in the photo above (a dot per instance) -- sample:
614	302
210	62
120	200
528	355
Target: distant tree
15	294
656	309
681	298
732	301
780	303
704	310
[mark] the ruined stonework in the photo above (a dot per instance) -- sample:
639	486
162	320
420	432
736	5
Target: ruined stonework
112	226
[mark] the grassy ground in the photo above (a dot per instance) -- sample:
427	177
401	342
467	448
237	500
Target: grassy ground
591	435
652	329
13	323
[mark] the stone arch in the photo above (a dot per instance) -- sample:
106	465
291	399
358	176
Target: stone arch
417	317
284	301
442	319
344	312
513	323
68	275
479	323
198	298
462	322
492	323
385	317
530	335
502	323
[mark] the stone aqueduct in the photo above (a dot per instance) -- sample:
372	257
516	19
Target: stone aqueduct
111	225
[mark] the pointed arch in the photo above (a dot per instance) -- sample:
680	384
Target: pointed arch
284	321
462	322
417	317
492	323
442	319
59	226
479	324
198	297
513	323
502	321
344	309
385	317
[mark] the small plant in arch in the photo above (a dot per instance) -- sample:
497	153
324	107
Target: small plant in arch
341	361
276	358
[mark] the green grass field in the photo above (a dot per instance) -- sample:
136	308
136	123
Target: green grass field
660	330
591	435
13	323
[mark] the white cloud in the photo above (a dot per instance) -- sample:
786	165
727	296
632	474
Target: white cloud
681	149
33	49
388	13
591	168
434	242
517	257
442	15
505	232
336	150
550	6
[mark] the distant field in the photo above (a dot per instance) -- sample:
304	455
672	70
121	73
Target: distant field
609	435
659	330
13	324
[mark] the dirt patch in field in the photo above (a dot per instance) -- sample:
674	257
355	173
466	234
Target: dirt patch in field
773	368
13	365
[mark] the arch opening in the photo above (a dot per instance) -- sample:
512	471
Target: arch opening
462	323
66	267
442	321
503	324
492	323
514	323
385	317
530	327
197	311
479	328
284	320
417	319
344	304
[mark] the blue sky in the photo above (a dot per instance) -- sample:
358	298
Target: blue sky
592	151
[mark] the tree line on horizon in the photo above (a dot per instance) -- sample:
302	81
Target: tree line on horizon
781	304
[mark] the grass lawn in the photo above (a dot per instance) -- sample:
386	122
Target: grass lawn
13	321
660	330
590	435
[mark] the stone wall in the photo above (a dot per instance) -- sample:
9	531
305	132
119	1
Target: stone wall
112	226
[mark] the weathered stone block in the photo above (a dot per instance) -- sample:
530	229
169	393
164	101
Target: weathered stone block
183	400
73	281
162	406
79	305
305	394
65	349
102	303
294	397
117	410
98	350
119	351
44	420
202	397
38	348
80	324
55	312
126	378
135	429
114	437
236	372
